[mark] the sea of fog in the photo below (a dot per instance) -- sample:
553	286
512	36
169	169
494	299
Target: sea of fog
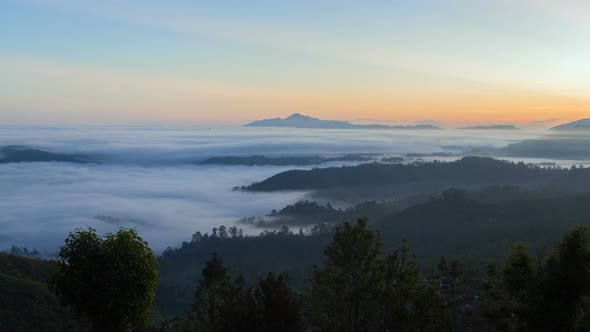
149	177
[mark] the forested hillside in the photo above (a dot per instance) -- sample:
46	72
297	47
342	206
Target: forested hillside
455	226
468	171
26	304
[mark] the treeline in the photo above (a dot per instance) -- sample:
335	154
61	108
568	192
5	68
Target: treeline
24	252
378	181
471	227
360	287
473	171
306	213
279	251
221	303
311	213
109	280
357	288
551	295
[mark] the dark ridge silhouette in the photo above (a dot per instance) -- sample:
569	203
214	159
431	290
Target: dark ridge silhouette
555	148
583	124
23	154
260	160
468	171
492	127
302	121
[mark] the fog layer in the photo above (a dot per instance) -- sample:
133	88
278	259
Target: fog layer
149	177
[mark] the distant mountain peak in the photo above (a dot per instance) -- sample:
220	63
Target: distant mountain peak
298	120
582	124
298	116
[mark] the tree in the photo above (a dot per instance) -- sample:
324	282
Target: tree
510	294
279	307
213	298
342	295
110	279
492	306
284	231
565	284
197	237
553	297
518	277
223	232
410	302
233	231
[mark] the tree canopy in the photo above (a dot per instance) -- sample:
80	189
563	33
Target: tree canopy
110	278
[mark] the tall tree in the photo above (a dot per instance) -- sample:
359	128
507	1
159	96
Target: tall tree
518	276
565	284
110	279
343	292
213	298
553	297
278	305
410	302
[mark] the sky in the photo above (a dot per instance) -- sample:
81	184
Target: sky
463	62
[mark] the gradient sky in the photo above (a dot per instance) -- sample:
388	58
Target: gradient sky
208	62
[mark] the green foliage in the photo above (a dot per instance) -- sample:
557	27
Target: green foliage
472	231
510	296
343	290
313	213
25	301
481	231
110	279
360	290
552	297
565	282
213	298
468	171
278	307
221	305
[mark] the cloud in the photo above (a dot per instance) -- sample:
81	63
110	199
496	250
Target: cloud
148	178
541	123
42	202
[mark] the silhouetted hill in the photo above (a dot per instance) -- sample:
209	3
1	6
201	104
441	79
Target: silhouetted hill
493	127
453	226
22	154
555	148
471	230
467	171
302	121
305	213
253	257
26	304
583	124
260	160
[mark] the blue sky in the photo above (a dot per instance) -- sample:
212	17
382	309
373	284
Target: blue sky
233	61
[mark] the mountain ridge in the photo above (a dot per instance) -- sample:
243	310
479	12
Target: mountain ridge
582	124
492	127
297	120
